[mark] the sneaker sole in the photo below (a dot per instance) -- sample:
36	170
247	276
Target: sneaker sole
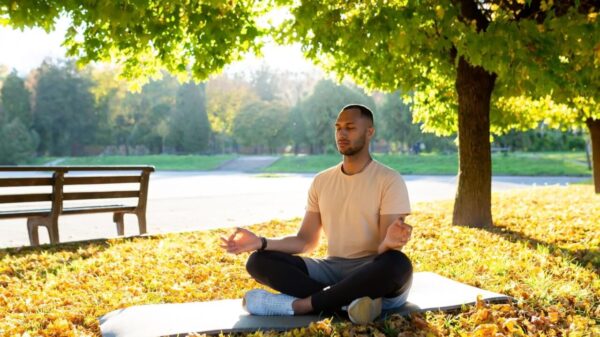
364	310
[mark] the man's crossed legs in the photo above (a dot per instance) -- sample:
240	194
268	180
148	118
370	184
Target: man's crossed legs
363	285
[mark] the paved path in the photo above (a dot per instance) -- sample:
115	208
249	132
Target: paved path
248	164
190	201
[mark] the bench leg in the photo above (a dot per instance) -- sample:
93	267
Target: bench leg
32	231
118	218
51	225
142	222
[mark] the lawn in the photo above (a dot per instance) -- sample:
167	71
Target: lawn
517	163
161	162
543	252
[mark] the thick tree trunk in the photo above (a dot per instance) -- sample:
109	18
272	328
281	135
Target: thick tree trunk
594	127
472	206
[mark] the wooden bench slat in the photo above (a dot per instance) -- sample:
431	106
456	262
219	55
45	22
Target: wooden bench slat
23	213
97	209
23	182
68	211
5	168
14	198
101	180
100	195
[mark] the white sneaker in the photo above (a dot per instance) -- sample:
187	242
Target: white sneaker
263	303
364	310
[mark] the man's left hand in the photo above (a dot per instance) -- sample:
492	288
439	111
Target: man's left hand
397	235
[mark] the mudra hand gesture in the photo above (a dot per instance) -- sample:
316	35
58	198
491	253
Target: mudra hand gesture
397	235
240	241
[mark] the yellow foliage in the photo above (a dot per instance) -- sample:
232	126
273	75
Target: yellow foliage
543	251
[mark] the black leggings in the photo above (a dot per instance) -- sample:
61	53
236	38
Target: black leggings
389	275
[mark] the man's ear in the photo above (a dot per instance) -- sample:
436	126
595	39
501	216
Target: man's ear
370	132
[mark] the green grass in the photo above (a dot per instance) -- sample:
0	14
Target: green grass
161	162
517	163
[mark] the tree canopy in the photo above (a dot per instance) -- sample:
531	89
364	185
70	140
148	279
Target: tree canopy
463	58
147	36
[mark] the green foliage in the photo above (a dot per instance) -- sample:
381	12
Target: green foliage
146	36
17	143
320	109
416	45
541	139
189	126
225	97
64	110
395	124
394	120
15	100
262	124
146	114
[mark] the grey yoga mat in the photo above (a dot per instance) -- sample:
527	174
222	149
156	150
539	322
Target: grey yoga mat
429	291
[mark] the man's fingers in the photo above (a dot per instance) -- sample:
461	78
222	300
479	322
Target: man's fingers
232	236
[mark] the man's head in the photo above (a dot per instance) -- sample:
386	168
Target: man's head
354	129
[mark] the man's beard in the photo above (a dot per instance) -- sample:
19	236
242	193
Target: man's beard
354	149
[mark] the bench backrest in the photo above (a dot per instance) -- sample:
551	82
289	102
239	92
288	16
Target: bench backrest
58	181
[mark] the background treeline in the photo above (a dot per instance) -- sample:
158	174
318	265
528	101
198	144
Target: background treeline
57	110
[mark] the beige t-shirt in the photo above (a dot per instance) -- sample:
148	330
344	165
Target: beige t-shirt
350	206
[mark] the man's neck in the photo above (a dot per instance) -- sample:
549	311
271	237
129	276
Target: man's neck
356	163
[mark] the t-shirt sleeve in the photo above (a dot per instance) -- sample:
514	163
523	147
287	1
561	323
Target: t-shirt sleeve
312	205
395	197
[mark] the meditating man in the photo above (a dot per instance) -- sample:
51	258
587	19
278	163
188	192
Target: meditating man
361	205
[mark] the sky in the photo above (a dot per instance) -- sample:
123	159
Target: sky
25	50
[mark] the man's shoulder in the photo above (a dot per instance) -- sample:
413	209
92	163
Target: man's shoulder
386	171
328	172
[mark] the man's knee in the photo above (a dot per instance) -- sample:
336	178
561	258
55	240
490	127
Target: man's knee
256	262
396	262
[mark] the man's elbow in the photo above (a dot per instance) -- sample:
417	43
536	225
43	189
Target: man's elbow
307	245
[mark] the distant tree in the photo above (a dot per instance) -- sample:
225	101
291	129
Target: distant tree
266	83
189	127
17	143
320	109
150	111
262	125
395	122
15	98
4	71
64	110
225	98
297	128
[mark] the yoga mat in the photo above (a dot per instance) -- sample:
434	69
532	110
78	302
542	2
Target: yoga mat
429	291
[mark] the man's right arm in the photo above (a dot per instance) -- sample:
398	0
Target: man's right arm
306	240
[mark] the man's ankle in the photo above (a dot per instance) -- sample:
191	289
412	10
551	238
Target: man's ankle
302	306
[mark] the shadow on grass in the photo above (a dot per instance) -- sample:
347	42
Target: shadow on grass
584	257
80	247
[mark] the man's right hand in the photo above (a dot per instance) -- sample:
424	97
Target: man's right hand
241	241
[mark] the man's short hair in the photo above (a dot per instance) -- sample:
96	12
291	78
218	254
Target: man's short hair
364	110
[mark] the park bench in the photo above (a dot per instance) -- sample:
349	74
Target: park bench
21	194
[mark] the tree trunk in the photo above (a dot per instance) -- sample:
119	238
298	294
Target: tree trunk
588	160
472	206
594	127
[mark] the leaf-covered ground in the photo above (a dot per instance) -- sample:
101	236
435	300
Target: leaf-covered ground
544	252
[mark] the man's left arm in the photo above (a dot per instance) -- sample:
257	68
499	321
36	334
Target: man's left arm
394	233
